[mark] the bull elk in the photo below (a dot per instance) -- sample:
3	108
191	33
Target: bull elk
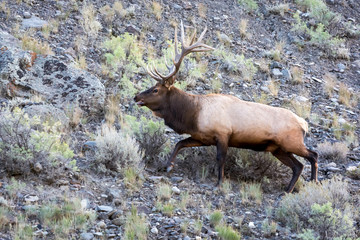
225	121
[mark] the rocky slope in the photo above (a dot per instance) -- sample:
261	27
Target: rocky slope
54	64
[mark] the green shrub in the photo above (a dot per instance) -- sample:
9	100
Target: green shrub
150	136
164	192
62	219
227	233
216	217
319	11
308	234
117	151
319	37
136	226
329	222
250	5
25	142
236	63
314	202
268	227
125	57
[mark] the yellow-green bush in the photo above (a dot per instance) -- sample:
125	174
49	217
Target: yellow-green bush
236	63
25	141
319	207
319	36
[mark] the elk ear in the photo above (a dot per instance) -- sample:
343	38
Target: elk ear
169	82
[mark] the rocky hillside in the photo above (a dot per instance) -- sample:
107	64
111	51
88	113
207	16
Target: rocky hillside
80	160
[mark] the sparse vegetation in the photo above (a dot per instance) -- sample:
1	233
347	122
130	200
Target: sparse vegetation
227	233
26	141
164	192
108	13
335	152
236	63
216	217
89	22
344	94
202	9
302	109
277	52
268	227
37	46
136	226
150	136
319	11
318	36
117	152
251	192
314	202
157	10
297	75
274	87
330	82
243	28
280	9
125	57
185	197
249	5
119	9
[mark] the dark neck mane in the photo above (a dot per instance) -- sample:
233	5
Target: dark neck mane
180	111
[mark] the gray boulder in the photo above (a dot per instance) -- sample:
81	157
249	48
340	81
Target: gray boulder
33	22
24	73
48	112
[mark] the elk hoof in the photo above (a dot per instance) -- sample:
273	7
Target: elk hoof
169	168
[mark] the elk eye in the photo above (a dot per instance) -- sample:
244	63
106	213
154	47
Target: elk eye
155	91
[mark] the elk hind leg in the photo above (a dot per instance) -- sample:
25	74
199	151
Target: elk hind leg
312	157
289	160
221	147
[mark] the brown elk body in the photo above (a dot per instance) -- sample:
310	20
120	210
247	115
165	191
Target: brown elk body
226	121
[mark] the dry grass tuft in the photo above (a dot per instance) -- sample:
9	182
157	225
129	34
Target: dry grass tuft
344	94
297	75
279	9
330	83
202	10
157	10
37	46
243	28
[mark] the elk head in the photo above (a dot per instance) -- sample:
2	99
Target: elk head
155	97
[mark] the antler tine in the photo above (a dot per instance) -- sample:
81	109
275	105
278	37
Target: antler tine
152	74
193	37
169	79
166	63
176	42
159	74
182	35
202	34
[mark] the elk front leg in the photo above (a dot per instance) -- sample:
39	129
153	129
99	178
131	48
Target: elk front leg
221	147
188	142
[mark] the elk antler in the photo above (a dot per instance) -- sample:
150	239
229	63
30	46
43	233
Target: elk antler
169	79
